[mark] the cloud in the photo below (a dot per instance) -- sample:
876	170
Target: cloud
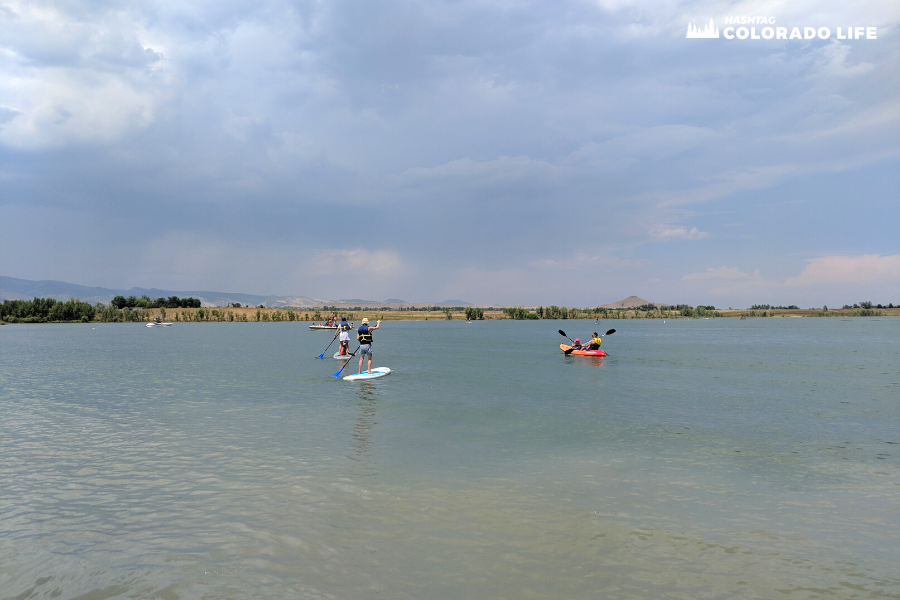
725	184
70	77
722	272
868	268
580	260
384	263
503	169
678	233
730	283
497	150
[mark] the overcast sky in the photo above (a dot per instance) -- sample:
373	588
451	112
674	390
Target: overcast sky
496	151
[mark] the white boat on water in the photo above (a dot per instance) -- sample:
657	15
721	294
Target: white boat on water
323	327
160	324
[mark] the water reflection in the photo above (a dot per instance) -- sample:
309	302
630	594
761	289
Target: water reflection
361	445
594	361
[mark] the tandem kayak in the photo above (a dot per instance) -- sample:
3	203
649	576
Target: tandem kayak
563	347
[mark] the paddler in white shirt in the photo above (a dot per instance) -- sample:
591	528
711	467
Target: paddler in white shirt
344	333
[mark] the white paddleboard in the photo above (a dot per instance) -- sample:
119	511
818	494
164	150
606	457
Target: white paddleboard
342	356
375	374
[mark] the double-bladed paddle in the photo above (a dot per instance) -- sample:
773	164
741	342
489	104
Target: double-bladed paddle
571	350
346	362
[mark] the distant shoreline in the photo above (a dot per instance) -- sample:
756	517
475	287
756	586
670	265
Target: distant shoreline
300	315
306	316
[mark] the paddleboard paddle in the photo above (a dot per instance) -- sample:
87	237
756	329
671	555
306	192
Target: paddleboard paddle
329	346
346	362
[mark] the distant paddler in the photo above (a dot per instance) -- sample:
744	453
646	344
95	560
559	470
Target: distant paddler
364	337
344	333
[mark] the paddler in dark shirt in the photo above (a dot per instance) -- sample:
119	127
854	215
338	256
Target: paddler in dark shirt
364	336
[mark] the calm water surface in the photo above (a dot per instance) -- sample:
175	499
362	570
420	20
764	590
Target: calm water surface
702	458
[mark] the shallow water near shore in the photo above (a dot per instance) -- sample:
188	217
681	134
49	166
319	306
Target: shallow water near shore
702	458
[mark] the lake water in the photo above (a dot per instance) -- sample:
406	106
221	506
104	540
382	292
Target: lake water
702	458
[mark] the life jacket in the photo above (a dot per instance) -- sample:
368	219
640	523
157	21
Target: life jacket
345	326
595	343
364	336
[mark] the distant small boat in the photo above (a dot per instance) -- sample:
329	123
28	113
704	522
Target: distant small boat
323	327
161	324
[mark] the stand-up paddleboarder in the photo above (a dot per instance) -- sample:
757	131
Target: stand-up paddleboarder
364	337
344	332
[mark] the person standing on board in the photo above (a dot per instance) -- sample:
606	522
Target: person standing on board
344	332
364	336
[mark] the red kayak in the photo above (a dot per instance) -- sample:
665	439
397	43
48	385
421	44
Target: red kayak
563	347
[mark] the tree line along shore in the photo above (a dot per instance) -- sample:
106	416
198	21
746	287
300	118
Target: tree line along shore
49	310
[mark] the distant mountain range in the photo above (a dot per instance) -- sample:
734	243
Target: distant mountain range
24	289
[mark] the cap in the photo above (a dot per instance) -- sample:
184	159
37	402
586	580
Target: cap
343	318
577	341
365	321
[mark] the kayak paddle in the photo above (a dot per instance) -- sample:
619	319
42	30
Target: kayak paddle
346	362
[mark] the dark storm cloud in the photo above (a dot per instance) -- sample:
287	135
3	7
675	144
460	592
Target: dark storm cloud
503	152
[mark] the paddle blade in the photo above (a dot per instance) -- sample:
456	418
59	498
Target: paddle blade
569	351
321	355
346	362
610	332
562	333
